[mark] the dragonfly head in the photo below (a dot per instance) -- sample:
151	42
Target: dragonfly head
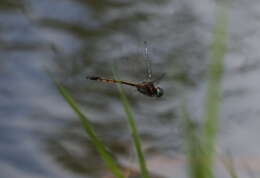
159	92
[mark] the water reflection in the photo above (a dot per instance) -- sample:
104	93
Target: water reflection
41	137
76	38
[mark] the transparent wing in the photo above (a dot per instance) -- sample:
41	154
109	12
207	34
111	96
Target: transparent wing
157	80
147	62
135	64
132	66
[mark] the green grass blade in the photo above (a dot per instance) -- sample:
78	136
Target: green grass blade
214	86
192	145
134	132
95	140
200	146
229	165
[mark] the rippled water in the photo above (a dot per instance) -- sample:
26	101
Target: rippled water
41	137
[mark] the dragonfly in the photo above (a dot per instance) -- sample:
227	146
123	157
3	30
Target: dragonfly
147	87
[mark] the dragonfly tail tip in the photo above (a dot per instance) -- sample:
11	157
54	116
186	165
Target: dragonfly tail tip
92	78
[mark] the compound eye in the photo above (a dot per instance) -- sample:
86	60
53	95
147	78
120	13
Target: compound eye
159	92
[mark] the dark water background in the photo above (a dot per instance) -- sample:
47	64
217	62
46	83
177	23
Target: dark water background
41	137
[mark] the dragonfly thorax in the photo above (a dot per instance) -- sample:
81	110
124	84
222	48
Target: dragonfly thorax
148	88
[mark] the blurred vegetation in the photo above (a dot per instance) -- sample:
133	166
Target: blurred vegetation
201	143
134	132
100	147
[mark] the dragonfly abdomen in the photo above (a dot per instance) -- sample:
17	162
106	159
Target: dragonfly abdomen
107	80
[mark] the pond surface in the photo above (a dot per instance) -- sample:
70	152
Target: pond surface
41	137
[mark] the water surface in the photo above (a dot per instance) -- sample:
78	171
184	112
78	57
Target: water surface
40	135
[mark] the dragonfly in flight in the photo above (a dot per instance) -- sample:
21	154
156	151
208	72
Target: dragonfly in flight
147	88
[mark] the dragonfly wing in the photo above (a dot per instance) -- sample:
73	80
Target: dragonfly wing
157	80
148	64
